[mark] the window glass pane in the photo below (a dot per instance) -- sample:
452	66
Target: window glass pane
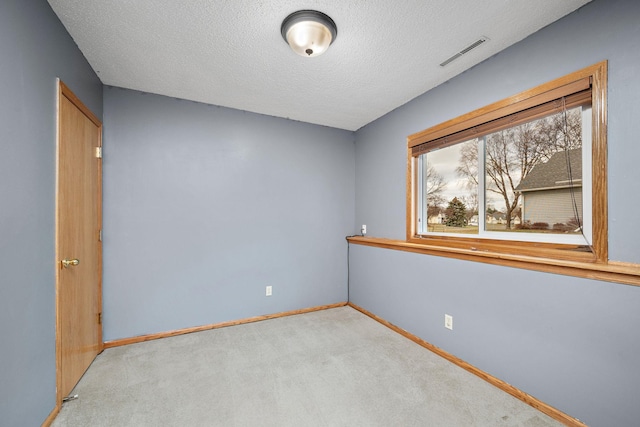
450	197
533	176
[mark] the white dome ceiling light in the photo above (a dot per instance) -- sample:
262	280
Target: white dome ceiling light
309	32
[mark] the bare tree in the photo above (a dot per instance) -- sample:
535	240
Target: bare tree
468	168
561	131
435	181
468	163
512	153
471	202
435	185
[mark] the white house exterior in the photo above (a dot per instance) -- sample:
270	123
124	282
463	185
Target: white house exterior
552	192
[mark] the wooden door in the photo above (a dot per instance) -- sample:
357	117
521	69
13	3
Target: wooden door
78	241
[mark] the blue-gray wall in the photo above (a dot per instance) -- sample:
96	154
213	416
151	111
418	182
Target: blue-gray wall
34	50
204	206
573	343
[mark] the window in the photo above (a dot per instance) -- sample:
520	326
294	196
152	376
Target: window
525	176
524	182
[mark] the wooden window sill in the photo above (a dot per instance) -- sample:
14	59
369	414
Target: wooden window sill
612	271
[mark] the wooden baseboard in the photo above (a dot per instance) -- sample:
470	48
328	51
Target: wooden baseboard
52	416
142	338
517	393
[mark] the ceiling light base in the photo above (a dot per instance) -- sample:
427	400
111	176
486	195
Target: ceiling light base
308	32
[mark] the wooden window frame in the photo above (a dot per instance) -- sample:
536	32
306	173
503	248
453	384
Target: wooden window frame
513	109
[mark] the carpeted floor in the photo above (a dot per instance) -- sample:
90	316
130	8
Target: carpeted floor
335	367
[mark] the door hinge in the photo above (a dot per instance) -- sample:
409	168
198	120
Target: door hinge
98	152
99	318
99	235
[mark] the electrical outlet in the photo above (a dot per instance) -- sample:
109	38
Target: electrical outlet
269	291
448	321
363	230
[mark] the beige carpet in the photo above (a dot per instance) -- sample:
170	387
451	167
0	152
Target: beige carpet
329	368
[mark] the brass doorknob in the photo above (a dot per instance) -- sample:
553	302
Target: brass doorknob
70	262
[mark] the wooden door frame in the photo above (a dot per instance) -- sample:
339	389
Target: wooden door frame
64	91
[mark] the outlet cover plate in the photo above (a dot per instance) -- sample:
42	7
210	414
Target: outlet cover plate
448	321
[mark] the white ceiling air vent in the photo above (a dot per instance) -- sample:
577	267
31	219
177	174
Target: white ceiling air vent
465	50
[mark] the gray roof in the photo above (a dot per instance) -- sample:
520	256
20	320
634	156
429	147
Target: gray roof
554	172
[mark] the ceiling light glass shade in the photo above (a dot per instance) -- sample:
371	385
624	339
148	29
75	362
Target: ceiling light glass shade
308	32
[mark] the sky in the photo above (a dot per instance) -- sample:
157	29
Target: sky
445	161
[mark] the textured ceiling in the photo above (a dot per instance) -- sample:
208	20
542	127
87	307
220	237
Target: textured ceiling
231	53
